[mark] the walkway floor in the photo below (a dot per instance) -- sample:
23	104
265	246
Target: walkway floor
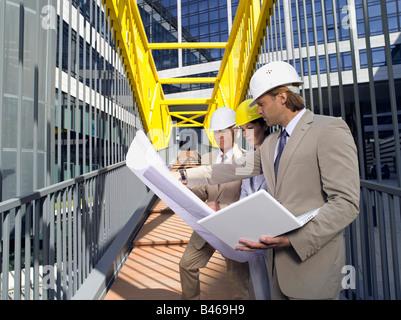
151	271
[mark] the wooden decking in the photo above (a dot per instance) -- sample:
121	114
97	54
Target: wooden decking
151	271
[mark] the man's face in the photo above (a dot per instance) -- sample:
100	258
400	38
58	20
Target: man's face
270	108
224	139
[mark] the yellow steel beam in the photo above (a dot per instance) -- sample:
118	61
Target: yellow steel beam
187	45
187	80
199	113
133	48
189	123
181	102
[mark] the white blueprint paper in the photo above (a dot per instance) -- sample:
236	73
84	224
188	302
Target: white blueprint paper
149	167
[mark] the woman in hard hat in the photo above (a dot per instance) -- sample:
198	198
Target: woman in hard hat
255	130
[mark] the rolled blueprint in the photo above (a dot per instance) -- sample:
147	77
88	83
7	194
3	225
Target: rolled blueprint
144	161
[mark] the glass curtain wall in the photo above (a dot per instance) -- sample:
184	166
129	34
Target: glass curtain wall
348	54
66	107
27	40
96	115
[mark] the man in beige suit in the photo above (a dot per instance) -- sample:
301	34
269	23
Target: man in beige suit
198	252
317	166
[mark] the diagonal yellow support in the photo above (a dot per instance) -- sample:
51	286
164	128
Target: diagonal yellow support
188	121
132	44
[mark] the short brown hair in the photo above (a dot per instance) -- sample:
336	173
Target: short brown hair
294	101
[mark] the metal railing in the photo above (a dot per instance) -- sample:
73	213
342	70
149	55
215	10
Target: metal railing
372	243
53	239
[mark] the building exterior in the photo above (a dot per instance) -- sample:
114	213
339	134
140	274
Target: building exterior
65	106
26	103
339	48
348	55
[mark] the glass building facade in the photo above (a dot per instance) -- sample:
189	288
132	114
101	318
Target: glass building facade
26	100
95	109
331	43
348	54
66	107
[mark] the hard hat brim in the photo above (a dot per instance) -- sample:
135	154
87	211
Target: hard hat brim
221	128
294	87
254	100
222	118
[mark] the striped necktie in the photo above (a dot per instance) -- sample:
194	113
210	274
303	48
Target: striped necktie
281	145
223	157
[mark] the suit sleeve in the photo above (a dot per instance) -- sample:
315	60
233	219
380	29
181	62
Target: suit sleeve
339	171
246	166
201	192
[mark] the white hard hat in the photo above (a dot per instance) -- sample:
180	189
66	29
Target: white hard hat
222	118
273	75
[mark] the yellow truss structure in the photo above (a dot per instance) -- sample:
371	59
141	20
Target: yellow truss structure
230	86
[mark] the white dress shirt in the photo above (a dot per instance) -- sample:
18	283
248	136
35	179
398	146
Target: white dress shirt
229	155
290	128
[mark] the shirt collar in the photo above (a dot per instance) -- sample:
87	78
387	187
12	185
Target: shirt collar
291	125
229	154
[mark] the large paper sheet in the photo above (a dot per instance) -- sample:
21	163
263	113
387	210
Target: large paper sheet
149	167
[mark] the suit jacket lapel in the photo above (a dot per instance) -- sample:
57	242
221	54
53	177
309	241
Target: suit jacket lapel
292	144
272	148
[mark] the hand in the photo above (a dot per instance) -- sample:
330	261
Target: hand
177	175
264	243
214	205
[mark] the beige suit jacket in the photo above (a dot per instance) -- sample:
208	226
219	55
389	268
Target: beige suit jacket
318	168
224	194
